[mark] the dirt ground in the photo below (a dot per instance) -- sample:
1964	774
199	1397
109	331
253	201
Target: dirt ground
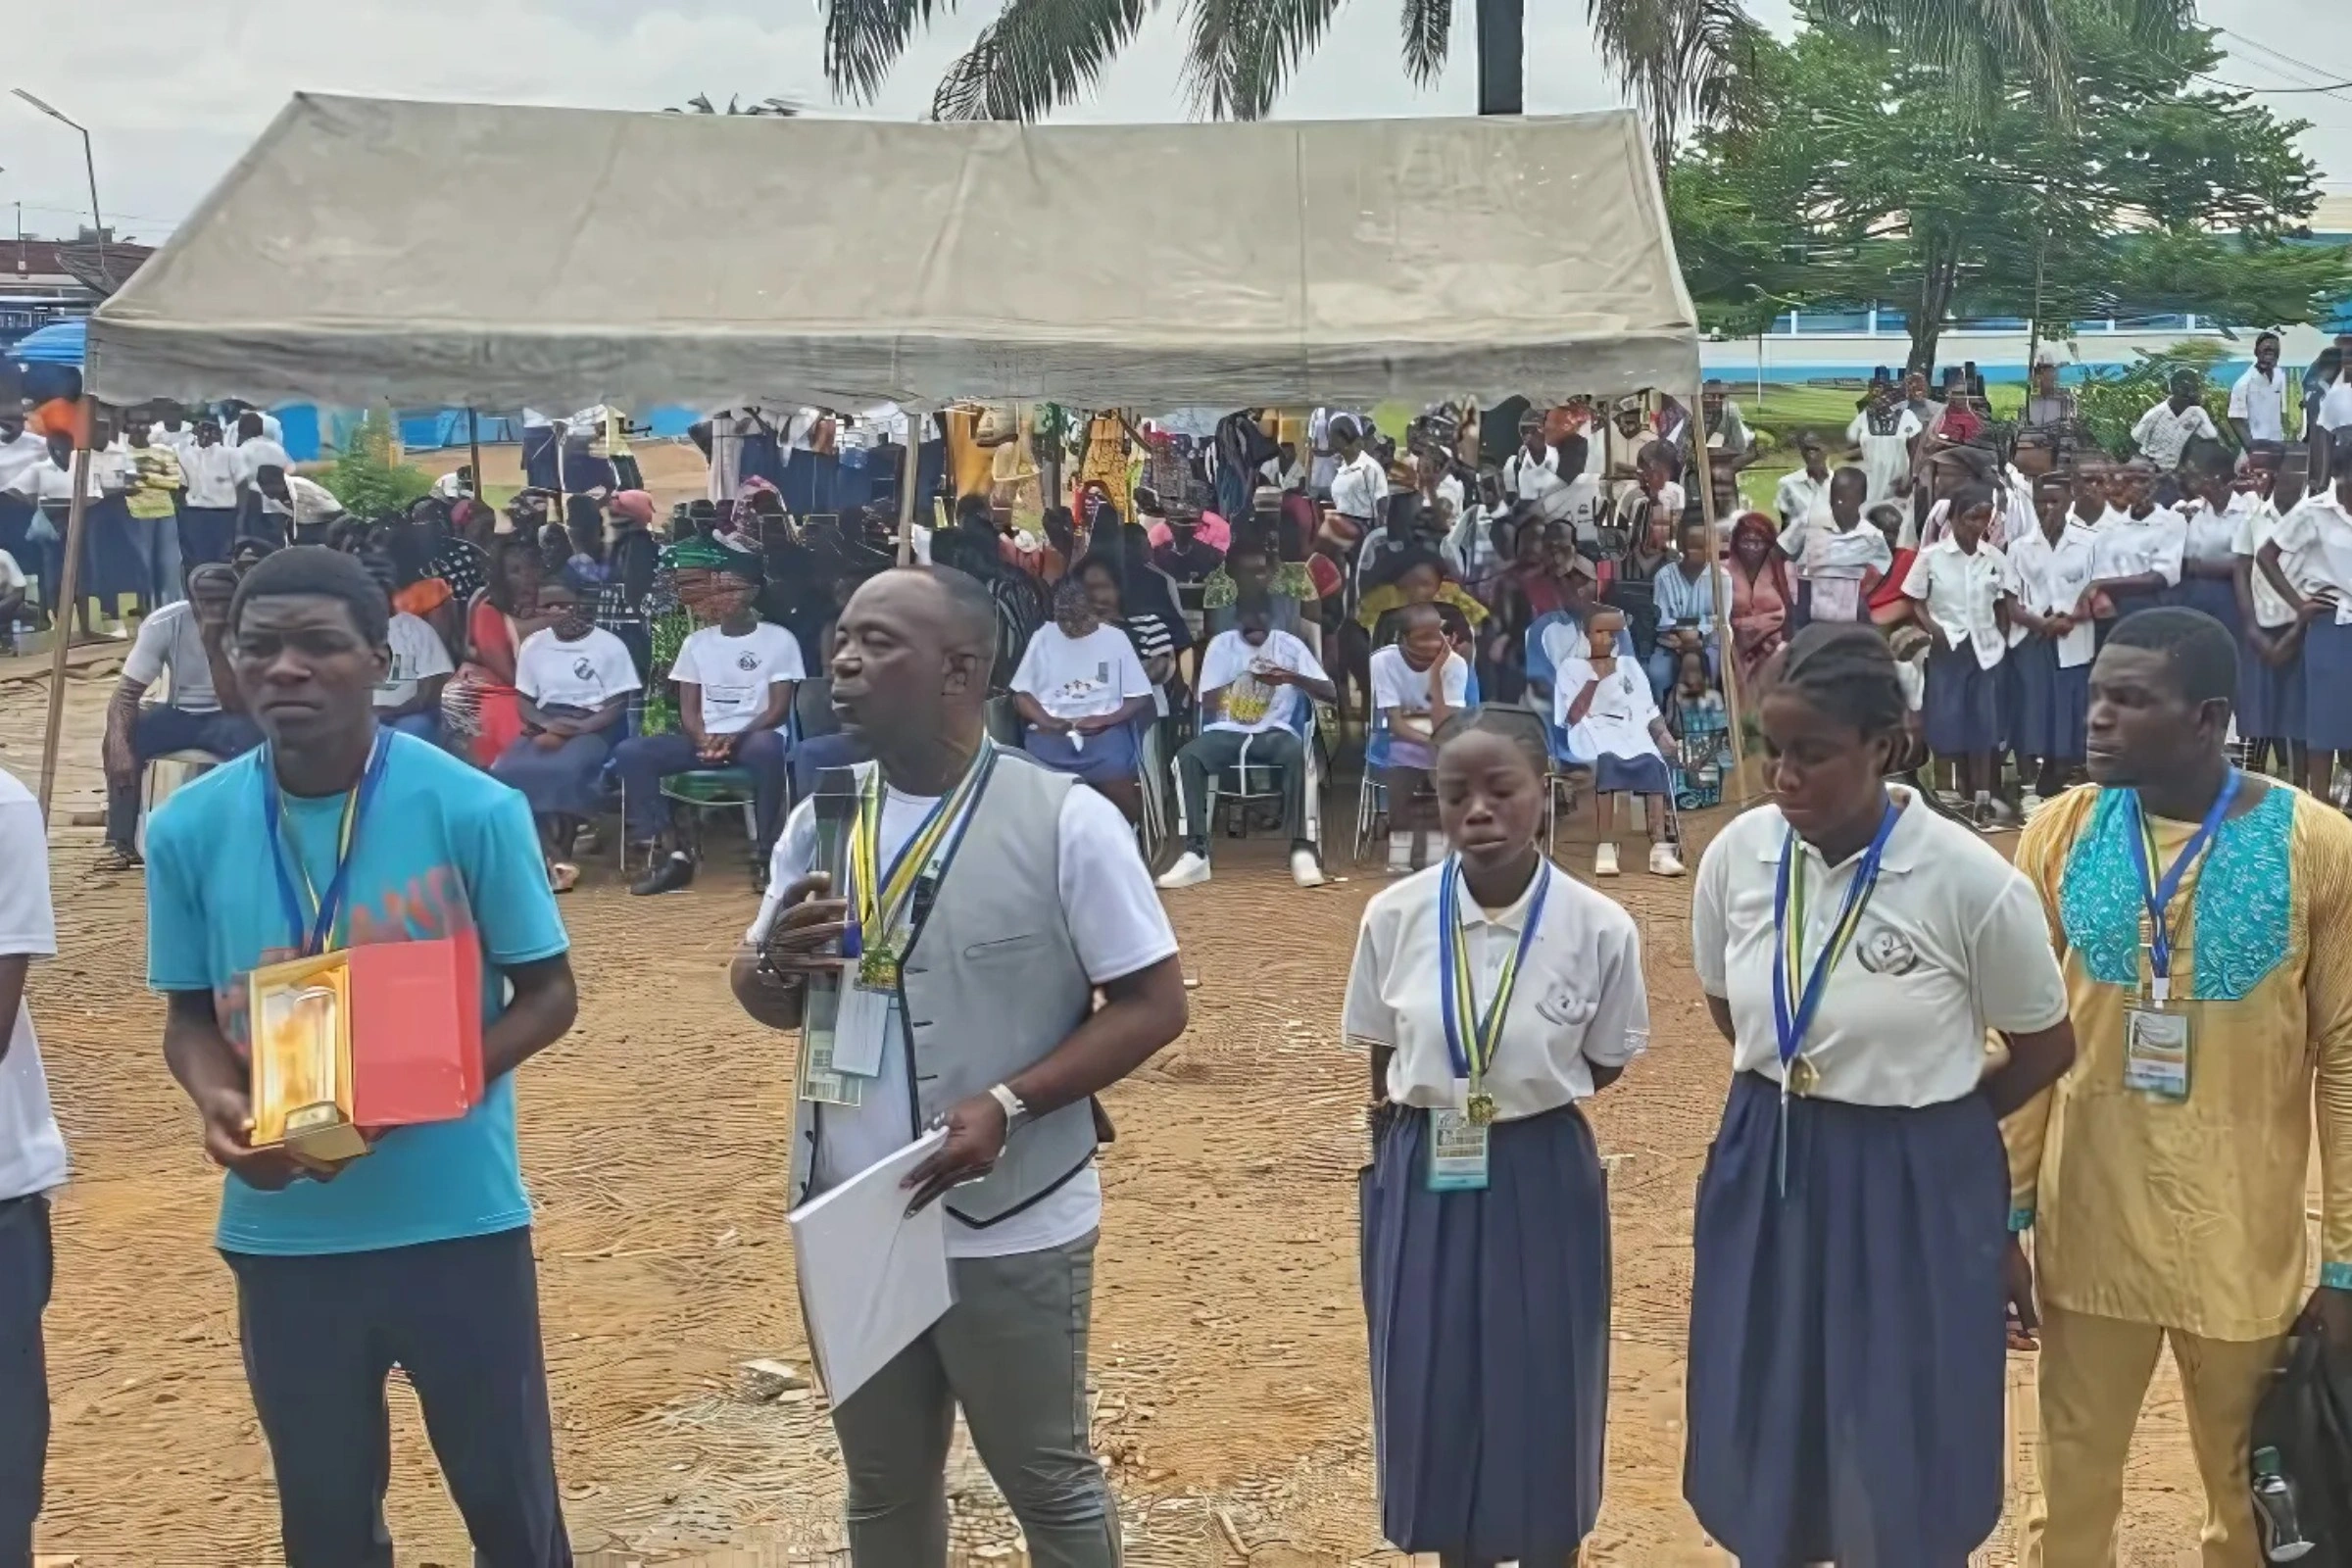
1229	1356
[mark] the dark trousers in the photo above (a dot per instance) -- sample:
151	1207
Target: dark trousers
24	1275
206	534
820	752
158	732
1213	750
462	1318
644	762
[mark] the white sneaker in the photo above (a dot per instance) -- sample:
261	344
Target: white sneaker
1305	870
1663	862
1604	860
2028	803
1189	871
1401	854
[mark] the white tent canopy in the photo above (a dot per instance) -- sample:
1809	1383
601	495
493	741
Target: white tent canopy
367	251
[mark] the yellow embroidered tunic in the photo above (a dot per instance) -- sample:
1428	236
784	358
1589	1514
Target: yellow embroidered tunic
2190	1214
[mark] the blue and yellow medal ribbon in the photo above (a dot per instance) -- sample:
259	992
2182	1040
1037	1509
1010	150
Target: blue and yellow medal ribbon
879	900
317	918
1471	1036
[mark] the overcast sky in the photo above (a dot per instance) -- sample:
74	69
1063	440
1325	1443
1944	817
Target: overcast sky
171	94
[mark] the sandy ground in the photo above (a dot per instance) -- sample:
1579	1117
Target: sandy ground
1229	1356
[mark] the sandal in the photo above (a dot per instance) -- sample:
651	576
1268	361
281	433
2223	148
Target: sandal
115	860
562	877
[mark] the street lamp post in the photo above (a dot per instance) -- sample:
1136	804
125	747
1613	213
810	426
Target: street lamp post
89	164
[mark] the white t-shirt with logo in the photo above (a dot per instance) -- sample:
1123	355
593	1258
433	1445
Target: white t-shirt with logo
736	673
417	655
1116	922
1616	722
586	674
1246	703
1081	677
32	1151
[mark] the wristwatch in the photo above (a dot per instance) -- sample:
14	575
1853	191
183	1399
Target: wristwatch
1015	1113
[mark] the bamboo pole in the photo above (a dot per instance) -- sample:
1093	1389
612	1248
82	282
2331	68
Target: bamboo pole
1727	657
61	616
473	447
906	480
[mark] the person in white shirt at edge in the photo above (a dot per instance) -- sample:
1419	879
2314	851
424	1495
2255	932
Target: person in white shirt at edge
1255	682
171	427
1960	593
1733	447
1494	994
2270	707
1533	472
2051	642
207	518
409	697
2209	511
1844	559
735	679
1605	707
2137	561
1417	682
574	679
32	1167
2258	398
1883	436
2167	426
186	641
2335	414
1854	1219
1023	895
1800	495
1079	690
454	486
300	511
256	450
2316	538
266	425
1359	485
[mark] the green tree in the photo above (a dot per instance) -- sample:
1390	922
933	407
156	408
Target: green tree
1679	61
1871	179
365	479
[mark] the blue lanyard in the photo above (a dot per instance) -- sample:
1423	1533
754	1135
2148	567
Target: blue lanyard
314	931
1789	936
1457	1000
2157	892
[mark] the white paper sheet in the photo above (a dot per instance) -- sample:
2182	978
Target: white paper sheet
873	1276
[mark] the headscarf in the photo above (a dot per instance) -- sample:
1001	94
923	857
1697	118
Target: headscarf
1756	524
636	506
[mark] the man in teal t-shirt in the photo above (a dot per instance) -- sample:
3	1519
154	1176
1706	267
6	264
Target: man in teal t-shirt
420	1253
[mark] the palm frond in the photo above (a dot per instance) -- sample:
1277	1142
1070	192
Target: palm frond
1977	44
1681	62
1428	25
863	39
1037	56
1244	52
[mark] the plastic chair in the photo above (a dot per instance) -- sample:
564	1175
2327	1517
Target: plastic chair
1371	794
1570	771
1244	781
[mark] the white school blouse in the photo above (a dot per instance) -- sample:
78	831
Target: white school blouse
2132	547
1580	1001
1953	942
1961	591
2318	534
2052	579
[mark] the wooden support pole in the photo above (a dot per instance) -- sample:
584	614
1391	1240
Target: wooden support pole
907	482
1727	656
473	447
61	616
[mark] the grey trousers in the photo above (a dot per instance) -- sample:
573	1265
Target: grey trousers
1011	1351
1213	750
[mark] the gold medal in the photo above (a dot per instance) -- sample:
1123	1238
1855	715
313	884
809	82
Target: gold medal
1481	1109
1803	1077
878	969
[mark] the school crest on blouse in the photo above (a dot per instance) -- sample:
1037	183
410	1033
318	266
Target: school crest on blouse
1885	950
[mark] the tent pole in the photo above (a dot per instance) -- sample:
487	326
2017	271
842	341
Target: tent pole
915	447
61	616
473	447
1727	656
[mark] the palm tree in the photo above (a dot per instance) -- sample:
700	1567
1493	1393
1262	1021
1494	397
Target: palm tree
1678	61
700	104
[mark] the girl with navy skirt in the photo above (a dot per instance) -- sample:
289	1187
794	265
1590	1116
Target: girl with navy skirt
1494	993
2051	643
2317	536
1960	591
2140	547
2270	673
2209	518
1852	1246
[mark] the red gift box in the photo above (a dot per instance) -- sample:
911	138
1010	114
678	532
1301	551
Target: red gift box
416	1031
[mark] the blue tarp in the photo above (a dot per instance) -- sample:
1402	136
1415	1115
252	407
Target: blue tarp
58	343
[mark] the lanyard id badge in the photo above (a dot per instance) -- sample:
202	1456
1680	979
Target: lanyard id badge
2156	1050
1458	1151
861	1029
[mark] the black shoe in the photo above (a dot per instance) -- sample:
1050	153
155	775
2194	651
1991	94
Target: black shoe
674	871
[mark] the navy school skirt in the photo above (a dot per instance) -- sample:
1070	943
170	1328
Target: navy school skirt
1489	1314
2328	685
2215	596
1630	775
1847	1347
2128	605
2048	707
2270	697
1963	710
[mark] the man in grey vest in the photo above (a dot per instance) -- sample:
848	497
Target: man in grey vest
993	900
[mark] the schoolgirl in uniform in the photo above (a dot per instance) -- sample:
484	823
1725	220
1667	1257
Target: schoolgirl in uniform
2139	558
2317	537
1847	1348
1960	592
1494	993
2051	643
2209	513
2270	675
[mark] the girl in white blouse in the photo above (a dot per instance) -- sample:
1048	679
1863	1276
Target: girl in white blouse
1847	1348
1494	992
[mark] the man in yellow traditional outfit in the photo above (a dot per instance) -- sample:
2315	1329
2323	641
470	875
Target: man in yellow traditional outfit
2204	916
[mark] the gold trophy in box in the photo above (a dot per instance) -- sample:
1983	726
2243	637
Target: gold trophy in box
301	1072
